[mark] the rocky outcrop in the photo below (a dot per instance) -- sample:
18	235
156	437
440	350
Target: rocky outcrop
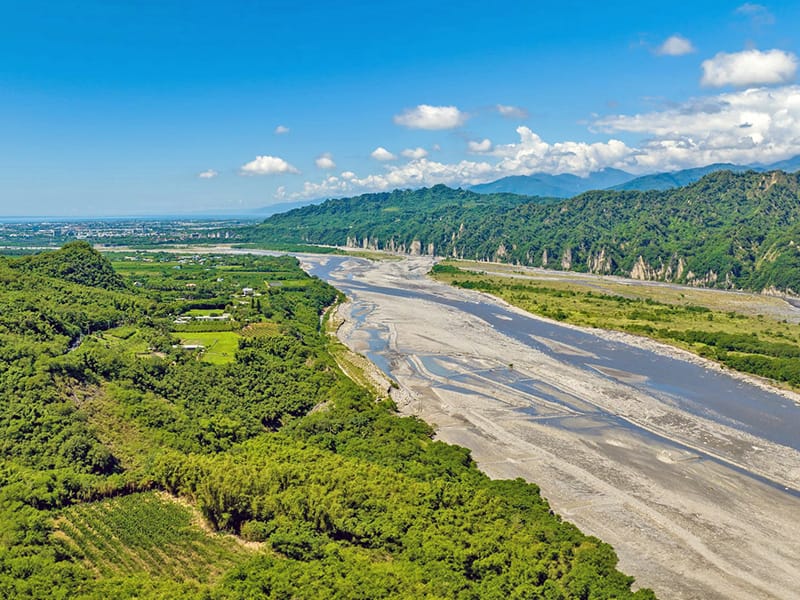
707	280
673	270
600	263
566	259
641	270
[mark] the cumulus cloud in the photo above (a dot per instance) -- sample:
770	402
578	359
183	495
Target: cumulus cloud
484	145
533	155
267	165
511	112
741	127
281	130
675	45
416	173
208	174
382	154
754	125
415	153
325	161
426	116
749	67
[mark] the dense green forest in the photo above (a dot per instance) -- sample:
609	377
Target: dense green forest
731	230
389	220
176	427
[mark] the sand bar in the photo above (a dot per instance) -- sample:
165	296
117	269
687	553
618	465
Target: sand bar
693	504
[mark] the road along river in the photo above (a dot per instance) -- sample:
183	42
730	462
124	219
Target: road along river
691	473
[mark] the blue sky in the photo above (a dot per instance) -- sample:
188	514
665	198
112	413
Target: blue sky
156	107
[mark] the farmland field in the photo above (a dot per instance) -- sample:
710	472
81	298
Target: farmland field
220	346
146	533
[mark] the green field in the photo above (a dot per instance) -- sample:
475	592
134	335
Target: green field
201	312
220	346
146	533
126	338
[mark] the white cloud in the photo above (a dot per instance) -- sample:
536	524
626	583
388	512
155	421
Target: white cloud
675	45
208	174
757	13
533	155
325	161
530	155
416	173
382	154
511	112
281	130
426	116
267	165
415	153
743	127
749	67
479	147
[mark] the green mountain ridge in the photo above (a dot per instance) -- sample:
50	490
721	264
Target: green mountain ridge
76	262
727	230
673	179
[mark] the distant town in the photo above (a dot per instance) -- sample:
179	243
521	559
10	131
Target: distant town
41	232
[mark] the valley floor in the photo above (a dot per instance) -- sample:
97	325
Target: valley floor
696	504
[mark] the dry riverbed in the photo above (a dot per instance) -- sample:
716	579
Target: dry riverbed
673	492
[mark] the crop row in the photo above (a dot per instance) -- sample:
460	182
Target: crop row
144	533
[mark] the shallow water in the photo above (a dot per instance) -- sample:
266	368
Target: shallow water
707	393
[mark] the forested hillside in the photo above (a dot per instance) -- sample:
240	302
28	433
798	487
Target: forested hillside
176	427
731	230
402	220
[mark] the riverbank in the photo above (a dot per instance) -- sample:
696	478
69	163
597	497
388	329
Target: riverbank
620	463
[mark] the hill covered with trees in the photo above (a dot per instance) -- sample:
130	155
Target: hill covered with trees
402	220
730	230
177	427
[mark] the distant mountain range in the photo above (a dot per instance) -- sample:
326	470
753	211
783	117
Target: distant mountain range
567	186
554	186
550	186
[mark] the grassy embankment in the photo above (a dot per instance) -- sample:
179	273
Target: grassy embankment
728	328
356	366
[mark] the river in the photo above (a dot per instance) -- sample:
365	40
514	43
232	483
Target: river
692	473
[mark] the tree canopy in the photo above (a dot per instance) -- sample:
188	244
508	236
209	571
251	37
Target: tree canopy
119	440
